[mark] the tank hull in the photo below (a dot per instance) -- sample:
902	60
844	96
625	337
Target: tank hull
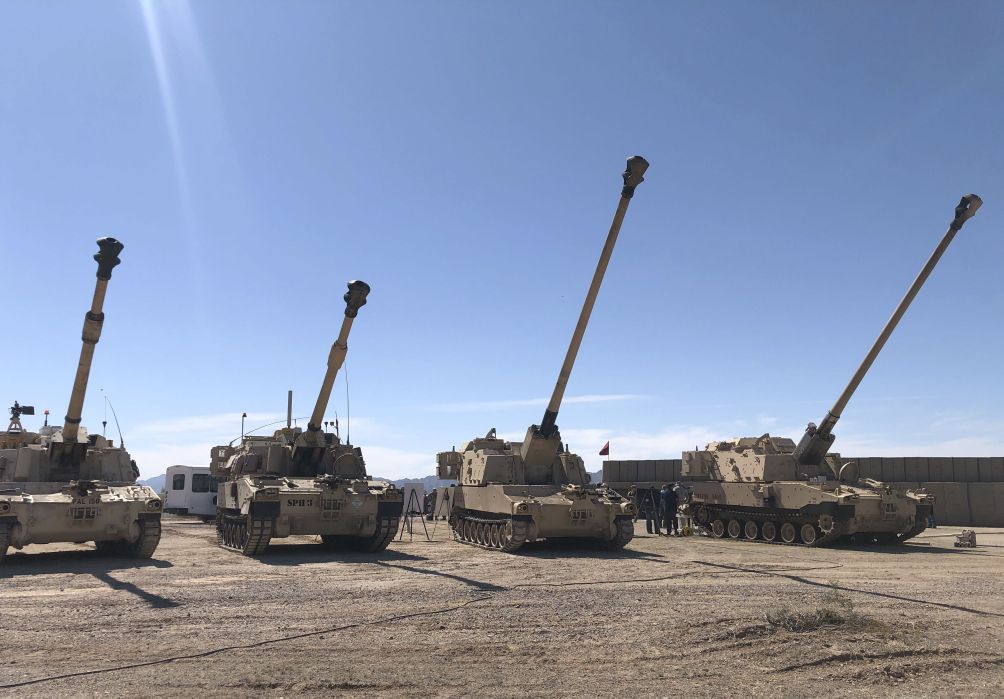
504	517
119	518
359	514
807	513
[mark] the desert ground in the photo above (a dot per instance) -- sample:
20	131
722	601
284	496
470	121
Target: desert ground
666	616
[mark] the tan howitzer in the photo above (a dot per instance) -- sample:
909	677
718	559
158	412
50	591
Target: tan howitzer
355	298
542	442
817	440
107	258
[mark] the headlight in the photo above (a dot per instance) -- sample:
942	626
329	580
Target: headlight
153	505
4	507
522	507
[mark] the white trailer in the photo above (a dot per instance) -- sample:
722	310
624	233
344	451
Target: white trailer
190	490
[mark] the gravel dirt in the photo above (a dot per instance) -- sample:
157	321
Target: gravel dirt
664	617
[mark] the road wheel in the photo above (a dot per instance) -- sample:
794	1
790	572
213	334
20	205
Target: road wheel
809	534
735	529
788	533
505	534
769	531
718	528
751	530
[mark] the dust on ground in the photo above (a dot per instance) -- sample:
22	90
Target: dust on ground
666	616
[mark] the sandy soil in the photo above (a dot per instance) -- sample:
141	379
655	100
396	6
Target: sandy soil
665	617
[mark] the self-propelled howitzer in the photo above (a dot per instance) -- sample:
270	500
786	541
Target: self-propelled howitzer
770	489
513	492
304	481
61	484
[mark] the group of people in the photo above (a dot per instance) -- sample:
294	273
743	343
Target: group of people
659	508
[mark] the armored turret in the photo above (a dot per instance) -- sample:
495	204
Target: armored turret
817	440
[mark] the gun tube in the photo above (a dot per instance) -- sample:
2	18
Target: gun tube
107	258
633	176
817	440
355	298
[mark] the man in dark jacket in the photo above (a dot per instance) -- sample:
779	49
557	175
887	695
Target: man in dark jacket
669	502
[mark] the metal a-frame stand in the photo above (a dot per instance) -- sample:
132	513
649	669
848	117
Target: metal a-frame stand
413	508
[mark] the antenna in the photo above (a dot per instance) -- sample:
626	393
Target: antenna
348	410
119	429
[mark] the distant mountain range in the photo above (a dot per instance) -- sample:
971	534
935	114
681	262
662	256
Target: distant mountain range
157	482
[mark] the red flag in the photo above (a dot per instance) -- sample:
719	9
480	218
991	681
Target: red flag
605	451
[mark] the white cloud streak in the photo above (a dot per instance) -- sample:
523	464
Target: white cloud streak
483	406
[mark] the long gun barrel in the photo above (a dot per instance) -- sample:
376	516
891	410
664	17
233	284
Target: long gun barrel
107	258
355	298
817	440
633	176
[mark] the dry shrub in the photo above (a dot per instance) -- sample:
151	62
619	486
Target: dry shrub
835	609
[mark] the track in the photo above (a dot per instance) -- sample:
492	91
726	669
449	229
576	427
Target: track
497	534
243	534
4	541
143	547
506	535
764	528
378	541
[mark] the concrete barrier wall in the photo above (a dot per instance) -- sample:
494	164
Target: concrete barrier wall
941	469
916	468
991	469
935	469
966	470
646	471
890	469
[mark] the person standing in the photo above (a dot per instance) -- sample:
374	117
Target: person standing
669	501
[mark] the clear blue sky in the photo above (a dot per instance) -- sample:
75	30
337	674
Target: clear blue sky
464	159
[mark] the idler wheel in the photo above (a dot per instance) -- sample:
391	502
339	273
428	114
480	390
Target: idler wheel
809	534
735	529
718	528
768	530
788	533
751	530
